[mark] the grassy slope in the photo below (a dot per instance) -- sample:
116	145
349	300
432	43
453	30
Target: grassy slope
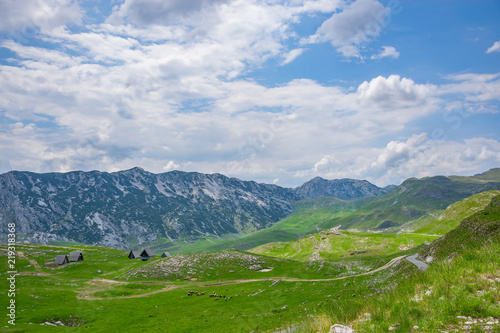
492	175
261	305
413	200
472	233
466	286
462	282
416	203
451	217
330	246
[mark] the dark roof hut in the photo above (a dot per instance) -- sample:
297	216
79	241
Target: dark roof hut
76	256
61	259
147	253
134	254
165	255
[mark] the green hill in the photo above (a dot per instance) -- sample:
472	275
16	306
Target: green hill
474	232
492	175
333	245
414	199
457	293
456	212
228	291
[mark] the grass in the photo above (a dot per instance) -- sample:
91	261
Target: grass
458	211
331	246
109	292
434	300
103	306
461	286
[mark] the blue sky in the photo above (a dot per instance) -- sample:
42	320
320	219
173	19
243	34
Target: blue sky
266	90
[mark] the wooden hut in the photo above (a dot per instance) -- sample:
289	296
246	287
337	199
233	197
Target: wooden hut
134	254
147	253
75	256
61	259
165	255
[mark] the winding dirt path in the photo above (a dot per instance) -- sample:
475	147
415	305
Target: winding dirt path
87	295
389	264
93	298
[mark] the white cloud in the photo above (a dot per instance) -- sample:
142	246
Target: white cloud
477	89
387	52
494	48
154	12
176	96
358	23
292	55
417	156
23	19
393	92
171	166
398	153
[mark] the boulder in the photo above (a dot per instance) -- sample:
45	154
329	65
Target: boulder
337	328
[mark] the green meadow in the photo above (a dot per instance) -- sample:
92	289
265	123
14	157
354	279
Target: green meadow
308	284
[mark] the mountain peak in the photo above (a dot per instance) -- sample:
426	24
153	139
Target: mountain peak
345	189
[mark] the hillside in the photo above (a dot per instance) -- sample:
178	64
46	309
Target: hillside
414	199
456	212
334	245
457	293
228	291
134	207
473	233
492	175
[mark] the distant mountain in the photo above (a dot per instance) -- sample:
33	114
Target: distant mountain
492	175
134	207
345	189
415	198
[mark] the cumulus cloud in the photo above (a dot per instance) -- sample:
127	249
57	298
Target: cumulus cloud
418	156
38	14
172	95
494	48
393	92
387	52
171	165
358	23
397	153
153	12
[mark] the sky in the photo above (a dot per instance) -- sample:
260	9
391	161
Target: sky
276	91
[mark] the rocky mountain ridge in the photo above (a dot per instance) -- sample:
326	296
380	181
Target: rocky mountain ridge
133	207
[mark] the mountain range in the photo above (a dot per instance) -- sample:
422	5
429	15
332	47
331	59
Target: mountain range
134	207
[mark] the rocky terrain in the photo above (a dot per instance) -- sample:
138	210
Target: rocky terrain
134	207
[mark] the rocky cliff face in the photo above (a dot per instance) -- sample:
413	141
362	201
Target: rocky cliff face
135	207
345	189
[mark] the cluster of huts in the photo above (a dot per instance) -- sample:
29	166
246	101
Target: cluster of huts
62	259
145	254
